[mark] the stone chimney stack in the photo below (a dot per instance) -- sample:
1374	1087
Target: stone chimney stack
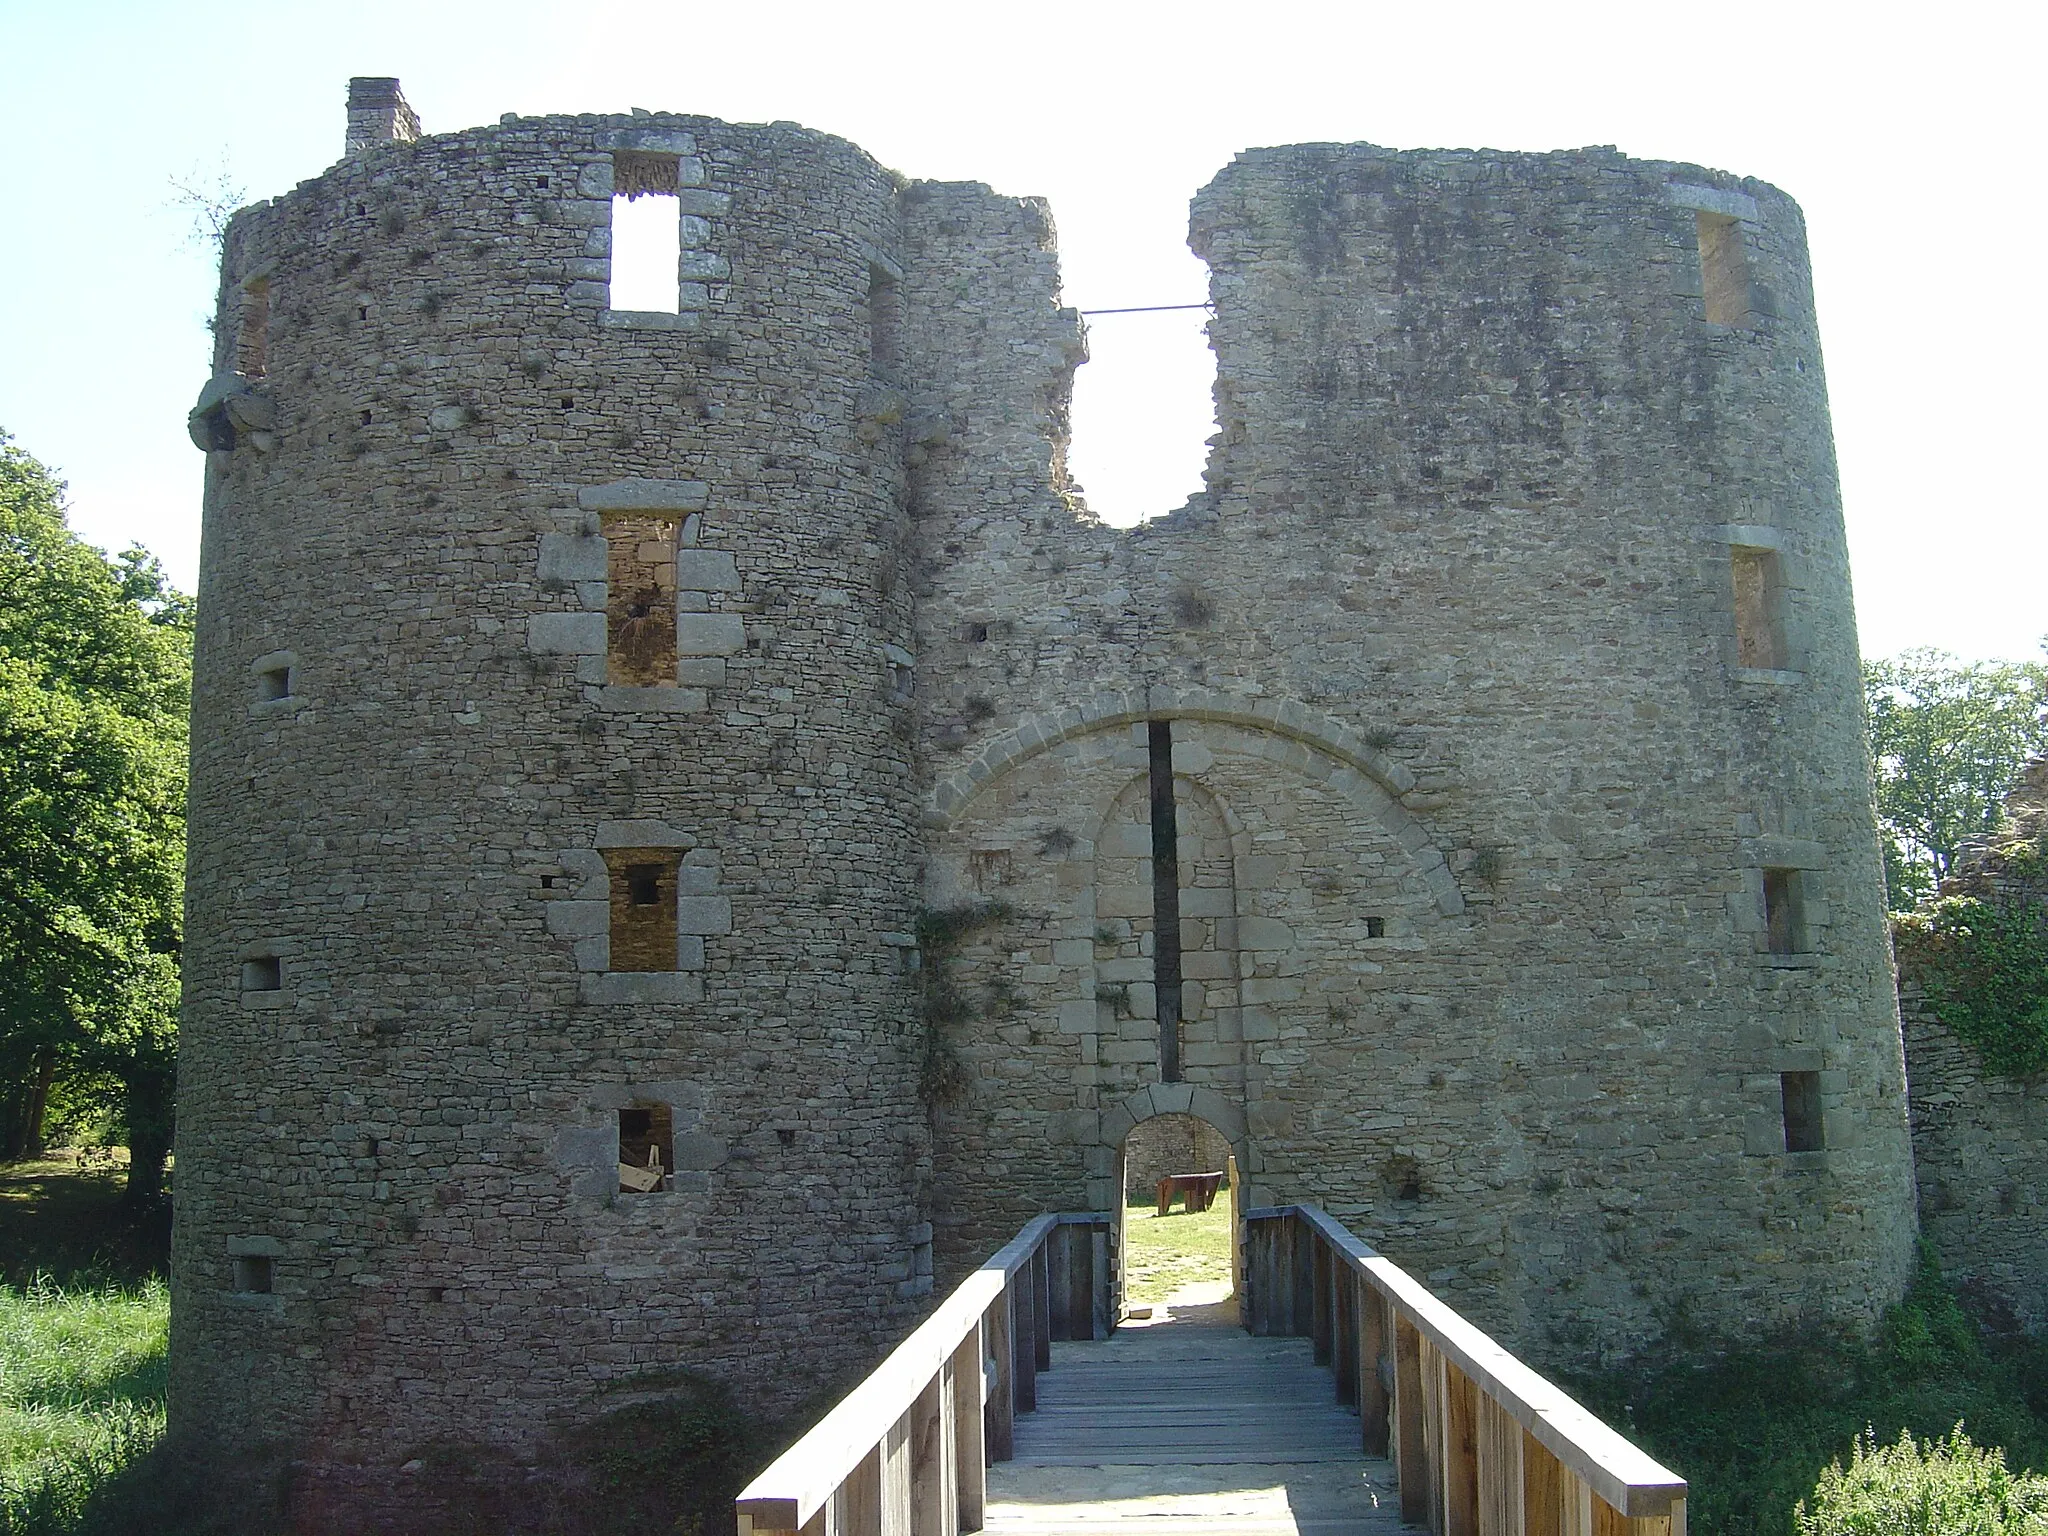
377	114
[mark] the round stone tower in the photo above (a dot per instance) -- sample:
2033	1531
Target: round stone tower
553	834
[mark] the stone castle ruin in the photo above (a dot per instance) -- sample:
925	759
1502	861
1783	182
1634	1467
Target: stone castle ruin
697	832
1980	1137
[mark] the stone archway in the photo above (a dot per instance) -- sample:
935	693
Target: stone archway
1306	740
1105	1157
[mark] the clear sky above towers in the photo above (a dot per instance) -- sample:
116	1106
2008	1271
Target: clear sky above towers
1910	138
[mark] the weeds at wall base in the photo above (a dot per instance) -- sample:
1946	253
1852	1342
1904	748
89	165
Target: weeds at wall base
1754	1428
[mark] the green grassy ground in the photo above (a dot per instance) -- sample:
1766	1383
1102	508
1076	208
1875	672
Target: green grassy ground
1164	1253
65	1220
84	1319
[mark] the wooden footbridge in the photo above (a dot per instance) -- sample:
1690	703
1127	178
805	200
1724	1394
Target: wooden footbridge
1352	1403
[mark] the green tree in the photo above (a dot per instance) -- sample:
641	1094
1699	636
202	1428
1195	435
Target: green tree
95	690
1949	739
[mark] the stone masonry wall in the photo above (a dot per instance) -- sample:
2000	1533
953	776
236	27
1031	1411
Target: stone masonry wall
420	1127
1442	670
1449	648
1980	1140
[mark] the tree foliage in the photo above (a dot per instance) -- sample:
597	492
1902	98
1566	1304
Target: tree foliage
1949	738
95	687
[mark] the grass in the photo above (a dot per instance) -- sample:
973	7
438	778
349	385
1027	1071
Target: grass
64	1220
1754	1430
81	1395
84	1319
1164	1253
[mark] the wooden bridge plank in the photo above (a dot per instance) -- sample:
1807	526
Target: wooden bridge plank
1189	1428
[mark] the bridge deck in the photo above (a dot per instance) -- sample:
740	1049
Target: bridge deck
1188	1424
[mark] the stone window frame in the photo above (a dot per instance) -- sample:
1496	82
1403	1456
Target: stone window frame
241	1250
1763	1091
1807	861
281	996
1728	539
1743	212
254	305
698	210
900	668
580	911
587	1148
579	563
288	703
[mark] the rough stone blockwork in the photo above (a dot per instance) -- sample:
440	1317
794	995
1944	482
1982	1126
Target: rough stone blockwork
1477	787
1980	1140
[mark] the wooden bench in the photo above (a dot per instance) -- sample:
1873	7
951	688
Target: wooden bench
1197	1191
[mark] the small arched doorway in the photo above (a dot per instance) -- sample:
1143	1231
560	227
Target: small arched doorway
1179	1237
1190	1125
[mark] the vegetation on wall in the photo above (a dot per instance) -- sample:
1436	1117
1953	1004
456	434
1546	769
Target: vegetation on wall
95	686
945	1003
1981	959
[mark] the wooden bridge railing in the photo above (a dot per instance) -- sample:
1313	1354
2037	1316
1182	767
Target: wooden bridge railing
905	1452
1482	1444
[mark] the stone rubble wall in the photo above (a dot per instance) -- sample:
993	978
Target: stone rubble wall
1980	1140
1447	639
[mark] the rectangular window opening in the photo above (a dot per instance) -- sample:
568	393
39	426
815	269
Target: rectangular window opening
647	234
254	1274
252	329
1759	609
273	685
1166	969
1375	927
1724	269
647	1148
1800	1092
265	973
640	569
885	316
643	907
1784	927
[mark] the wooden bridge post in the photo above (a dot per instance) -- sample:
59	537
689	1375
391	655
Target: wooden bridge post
934	1471
1301	1246
857	1504
1252	1305
1411	1461
1023	1336
970	1439
1101	1283
1344	1334
1461	1453
1543	1484
1320	1327
1060	1245
1500	1470
1374	1400
998	1327
1041	1308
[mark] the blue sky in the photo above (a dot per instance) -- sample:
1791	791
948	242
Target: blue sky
1912	139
